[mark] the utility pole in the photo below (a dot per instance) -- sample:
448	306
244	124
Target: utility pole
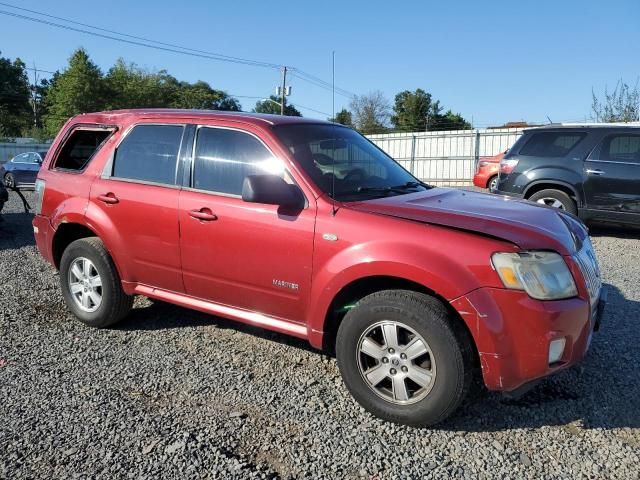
284	89
34	96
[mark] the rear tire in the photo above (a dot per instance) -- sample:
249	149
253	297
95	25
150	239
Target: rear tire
91	285
555	198
492	183
416	390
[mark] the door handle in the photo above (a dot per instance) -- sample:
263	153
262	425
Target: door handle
594	171
203	214
109	198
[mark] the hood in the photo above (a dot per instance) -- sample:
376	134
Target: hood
527	225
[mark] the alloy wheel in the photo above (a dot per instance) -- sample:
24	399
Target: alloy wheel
85	284
551	202
396	362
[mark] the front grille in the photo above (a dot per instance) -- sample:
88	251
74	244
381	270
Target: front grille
588	263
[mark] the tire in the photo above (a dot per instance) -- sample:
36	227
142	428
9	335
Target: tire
492	183
555	198
449	359
9	181
106	303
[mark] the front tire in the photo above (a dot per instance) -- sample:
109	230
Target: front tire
555	198
91	284
404	358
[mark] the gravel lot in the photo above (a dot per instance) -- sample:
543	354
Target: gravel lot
178	394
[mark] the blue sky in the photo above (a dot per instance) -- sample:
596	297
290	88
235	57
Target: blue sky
490	61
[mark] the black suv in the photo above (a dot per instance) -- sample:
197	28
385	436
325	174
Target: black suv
592	171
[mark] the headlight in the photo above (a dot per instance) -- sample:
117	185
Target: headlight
543	275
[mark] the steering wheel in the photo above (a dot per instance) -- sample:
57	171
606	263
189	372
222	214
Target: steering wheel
355	174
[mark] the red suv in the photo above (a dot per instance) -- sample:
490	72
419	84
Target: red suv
307	228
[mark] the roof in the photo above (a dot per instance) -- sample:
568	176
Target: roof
588	125
246	117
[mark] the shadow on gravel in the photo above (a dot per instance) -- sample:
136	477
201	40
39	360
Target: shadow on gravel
618	232
16	230
160	316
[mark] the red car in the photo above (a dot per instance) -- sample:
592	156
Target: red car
417	289
487	172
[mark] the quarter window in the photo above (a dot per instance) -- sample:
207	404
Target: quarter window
551	144
79	148
223	158
149	153
621	148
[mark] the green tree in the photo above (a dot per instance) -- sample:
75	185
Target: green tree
15	110
370	112
79	89
449	121
343	117
415	111
200	95
272	105
132	87
622	105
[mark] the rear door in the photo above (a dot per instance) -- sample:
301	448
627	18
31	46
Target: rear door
137	195
250	256
20	168
612	177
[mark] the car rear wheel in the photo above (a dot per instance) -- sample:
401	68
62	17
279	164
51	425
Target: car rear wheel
403	357
9	181
556	199
492	183
91	284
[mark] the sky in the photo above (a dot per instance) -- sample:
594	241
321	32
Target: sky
491	61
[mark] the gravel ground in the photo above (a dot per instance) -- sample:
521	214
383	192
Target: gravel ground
178	394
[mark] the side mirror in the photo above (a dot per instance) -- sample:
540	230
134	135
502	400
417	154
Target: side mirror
272	190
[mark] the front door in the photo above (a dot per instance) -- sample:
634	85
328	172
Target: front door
612	178
138	195
244	255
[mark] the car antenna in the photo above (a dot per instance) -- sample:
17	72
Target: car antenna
333	127
549	119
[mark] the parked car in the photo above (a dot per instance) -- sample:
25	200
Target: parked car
592	171
417	289
21	170
487	172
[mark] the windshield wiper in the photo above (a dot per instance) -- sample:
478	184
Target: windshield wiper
393	188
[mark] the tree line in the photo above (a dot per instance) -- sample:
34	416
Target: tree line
39	108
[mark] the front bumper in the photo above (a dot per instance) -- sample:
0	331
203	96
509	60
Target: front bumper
513	332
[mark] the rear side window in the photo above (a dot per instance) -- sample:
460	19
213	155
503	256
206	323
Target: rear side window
79	148
621	148
225	157
551	144
149	153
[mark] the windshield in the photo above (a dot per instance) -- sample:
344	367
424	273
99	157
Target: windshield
340	159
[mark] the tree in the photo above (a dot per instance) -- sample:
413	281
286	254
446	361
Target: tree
132	87
272	105
415	111
15	111
343	117
370	112
79	89
200	95
449	121
622	105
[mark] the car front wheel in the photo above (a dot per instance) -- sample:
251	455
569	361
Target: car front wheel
404	358
91	284
556	199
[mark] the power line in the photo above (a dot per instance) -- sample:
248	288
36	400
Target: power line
169	47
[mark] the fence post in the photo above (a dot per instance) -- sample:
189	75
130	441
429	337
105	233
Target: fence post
413	154
477	149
